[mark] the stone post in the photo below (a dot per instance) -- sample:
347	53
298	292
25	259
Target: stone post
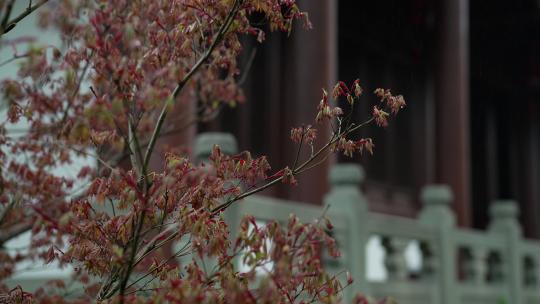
504	221
204	143
346	198
438	214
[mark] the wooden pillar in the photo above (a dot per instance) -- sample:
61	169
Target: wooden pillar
530	174
283	90
310	64
491	153
452	104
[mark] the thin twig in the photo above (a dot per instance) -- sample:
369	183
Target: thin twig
77	90
248	66
315	164
179	252
112	207
15	57
131	265
135	149
99	159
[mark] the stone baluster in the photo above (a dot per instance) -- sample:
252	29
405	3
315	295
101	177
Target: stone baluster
504	221
346	198
530	272
204	143
394	261
478	266
466	265
429	262
437	213
496	272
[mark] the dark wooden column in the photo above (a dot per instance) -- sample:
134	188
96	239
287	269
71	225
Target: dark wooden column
283	89
310	64
452	104
491	153
530	175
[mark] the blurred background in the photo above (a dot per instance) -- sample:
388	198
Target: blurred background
469	71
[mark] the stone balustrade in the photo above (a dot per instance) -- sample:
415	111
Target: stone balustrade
457	265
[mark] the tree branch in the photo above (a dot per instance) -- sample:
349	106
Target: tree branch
296	171
14	231
7	26
164	111
157	130
9	7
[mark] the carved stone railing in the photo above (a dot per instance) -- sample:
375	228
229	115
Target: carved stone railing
457	265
